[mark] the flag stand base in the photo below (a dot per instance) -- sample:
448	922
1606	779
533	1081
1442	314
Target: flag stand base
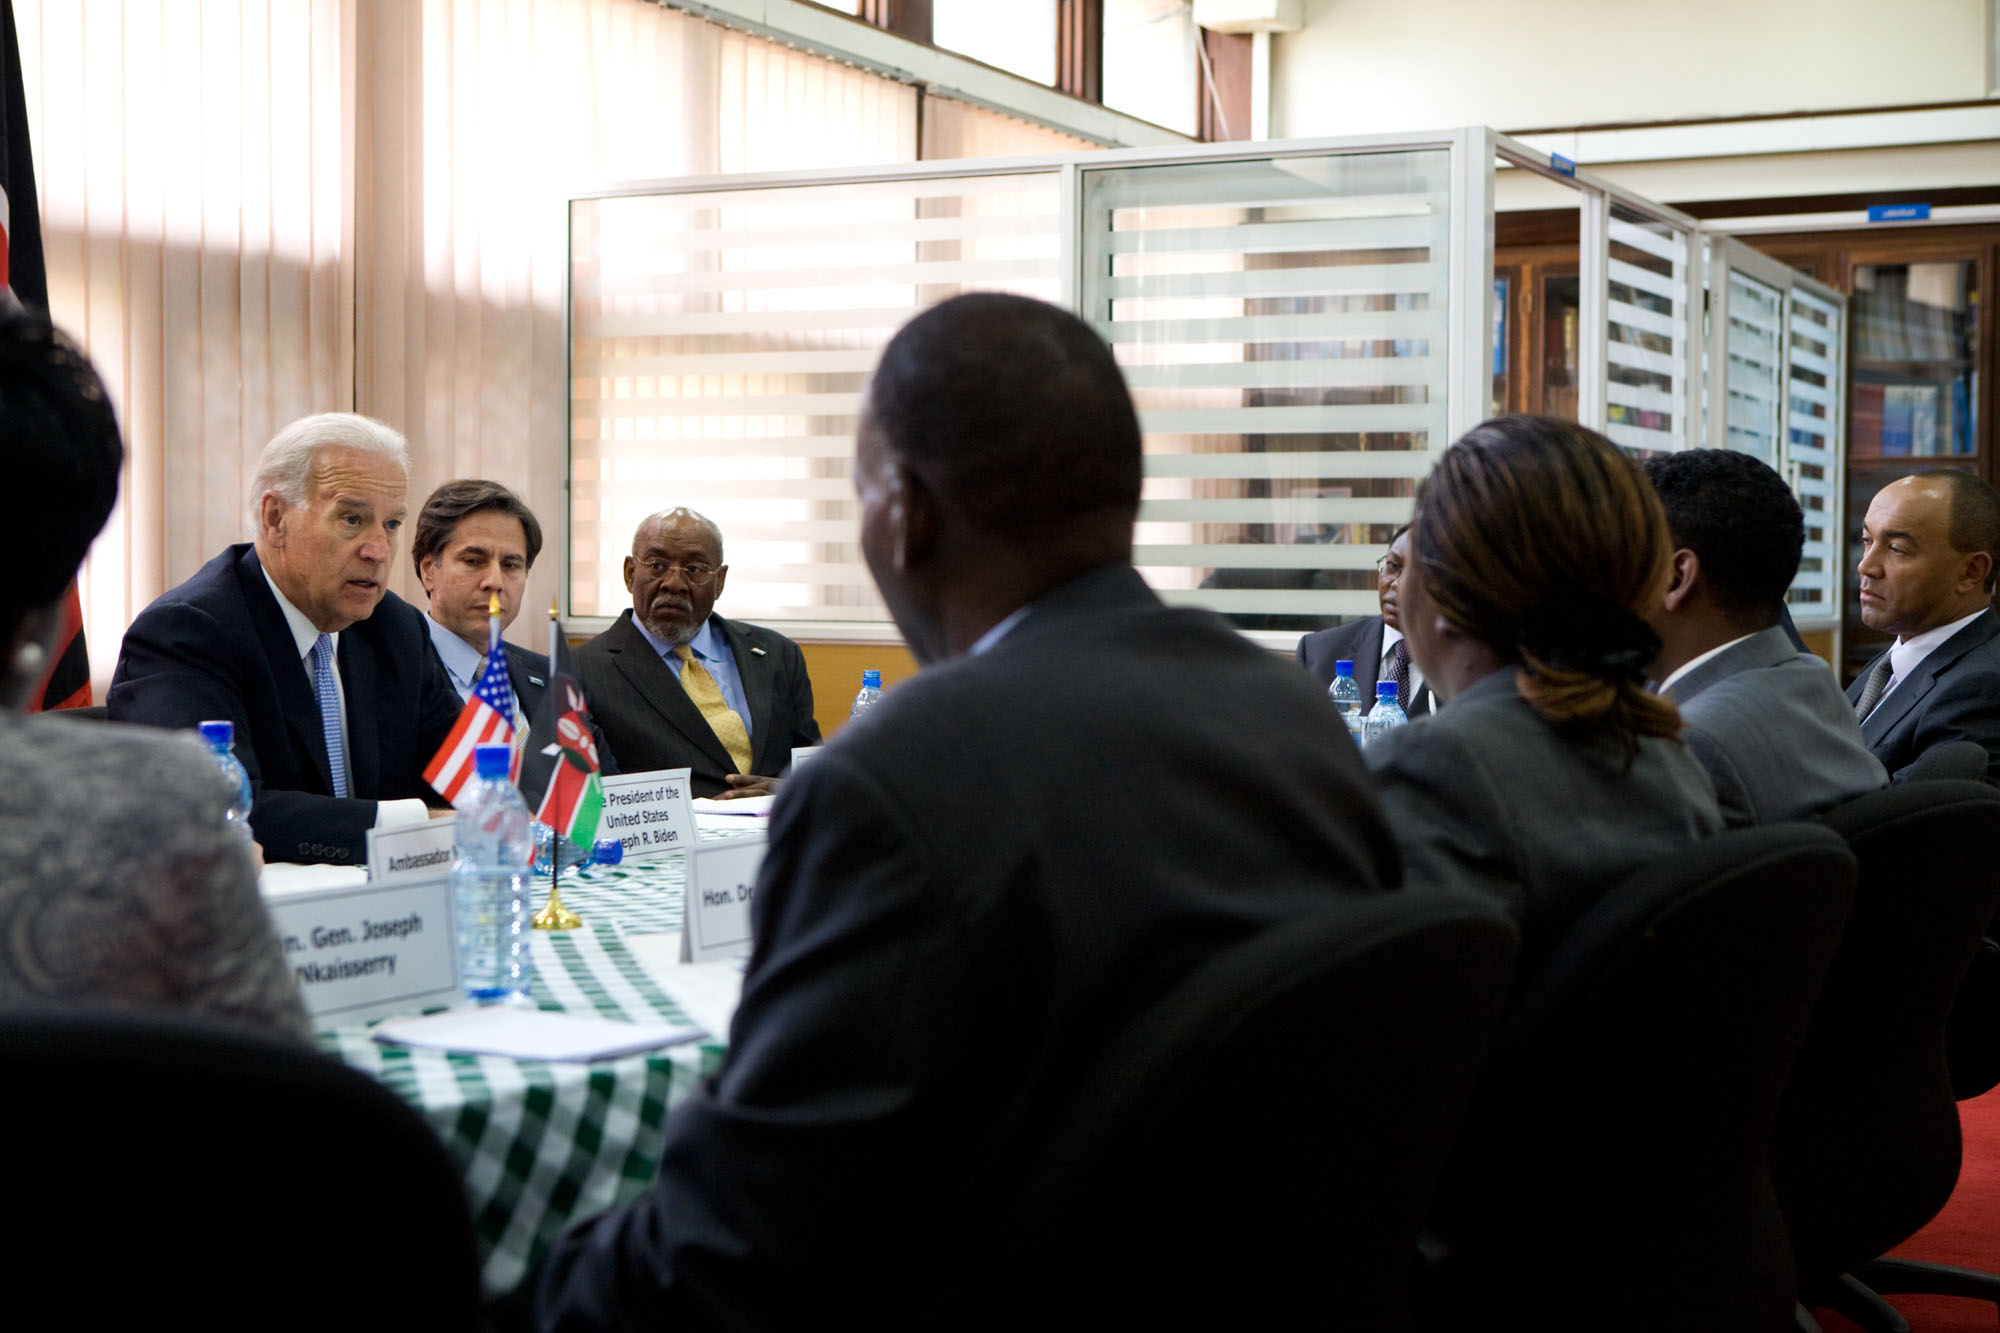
555	916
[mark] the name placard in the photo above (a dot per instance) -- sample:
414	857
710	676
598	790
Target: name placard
802	753
369	951
649	813
413	852
715	912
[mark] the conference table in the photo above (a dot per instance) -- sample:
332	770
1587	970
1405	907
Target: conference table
541	1144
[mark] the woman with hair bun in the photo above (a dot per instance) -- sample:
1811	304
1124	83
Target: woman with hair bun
1537	551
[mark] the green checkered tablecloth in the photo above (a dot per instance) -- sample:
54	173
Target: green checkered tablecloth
543	1144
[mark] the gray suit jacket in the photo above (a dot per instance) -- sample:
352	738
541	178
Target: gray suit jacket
1008	859
1770	726
650	723
1359	641
1485	796
1953	695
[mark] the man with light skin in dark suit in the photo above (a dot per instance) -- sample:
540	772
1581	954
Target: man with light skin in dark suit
1929	546
1765	720
337	700
1374	644
475	540
1010	859
673	685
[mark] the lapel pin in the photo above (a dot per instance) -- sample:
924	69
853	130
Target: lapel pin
756	652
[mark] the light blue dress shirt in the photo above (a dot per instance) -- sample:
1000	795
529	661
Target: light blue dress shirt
713	651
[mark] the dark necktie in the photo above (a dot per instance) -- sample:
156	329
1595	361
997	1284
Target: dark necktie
1399	672
1872	689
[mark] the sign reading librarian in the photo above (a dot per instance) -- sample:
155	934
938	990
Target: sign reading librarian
650	813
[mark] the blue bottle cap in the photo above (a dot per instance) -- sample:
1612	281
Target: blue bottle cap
1343	667
221	733
492	761
1385	689
871	680
607	852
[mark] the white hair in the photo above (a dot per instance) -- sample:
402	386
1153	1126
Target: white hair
286	463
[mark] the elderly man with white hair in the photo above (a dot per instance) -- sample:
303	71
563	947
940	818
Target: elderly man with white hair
337	699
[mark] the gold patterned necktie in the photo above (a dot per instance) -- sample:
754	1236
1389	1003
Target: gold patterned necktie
721	718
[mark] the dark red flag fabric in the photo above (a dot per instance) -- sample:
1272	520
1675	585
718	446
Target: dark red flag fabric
21	269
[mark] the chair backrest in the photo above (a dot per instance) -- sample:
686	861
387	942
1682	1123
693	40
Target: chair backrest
169	1172
1867	1148
1962	760
1612	1173
1258	1150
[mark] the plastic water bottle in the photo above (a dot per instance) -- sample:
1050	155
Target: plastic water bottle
1346	695
1387	714
871	690
490	883
221	738
550	843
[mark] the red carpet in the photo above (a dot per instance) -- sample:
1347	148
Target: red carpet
1966	1233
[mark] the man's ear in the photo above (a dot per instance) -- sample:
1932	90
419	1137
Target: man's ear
1976	570
1686	569
271	509
913	517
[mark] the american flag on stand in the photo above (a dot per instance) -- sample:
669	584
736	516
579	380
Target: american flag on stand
487	719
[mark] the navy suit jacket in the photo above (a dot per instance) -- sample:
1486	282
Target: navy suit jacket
218	646
978	884
650	722
1953	695
1359	641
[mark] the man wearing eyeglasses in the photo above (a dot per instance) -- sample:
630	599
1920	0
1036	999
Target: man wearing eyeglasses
1374	645
673	685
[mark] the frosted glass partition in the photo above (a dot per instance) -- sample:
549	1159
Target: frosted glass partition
1646	347
719	340
1284	325
1814	448
1754	379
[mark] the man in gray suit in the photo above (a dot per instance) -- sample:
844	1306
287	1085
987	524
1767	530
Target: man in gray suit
1929	545
1768	722
1375	644
674	685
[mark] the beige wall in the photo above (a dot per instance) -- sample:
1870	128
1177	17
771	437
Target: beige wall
1363	66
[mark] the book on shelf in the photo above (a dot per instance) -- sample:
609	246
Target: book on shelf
1898	406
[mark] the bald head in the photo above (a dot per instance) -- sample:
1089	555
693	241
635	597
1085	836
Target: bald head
1928	550
675	573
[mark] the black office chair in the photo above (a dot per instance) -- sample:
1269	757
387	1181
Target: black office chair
164	1172
1866	1147
1964	761
1613	1170
1257	1151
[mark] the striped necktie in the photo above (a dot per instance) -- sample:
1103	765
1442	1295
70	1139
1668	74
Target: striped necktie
328	693
1872	689
721	718
1399	672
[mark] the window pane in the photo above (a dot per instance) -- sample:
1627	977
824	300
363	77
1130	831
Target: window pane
1283	325
1019	36
1150	63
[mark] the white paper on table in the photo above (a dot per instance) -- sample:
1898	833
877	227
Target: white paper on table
705	992
531	1034
739	807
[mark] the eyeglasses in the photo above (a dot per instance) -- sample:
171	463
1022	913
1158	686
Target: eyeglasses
695	574
1389	569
